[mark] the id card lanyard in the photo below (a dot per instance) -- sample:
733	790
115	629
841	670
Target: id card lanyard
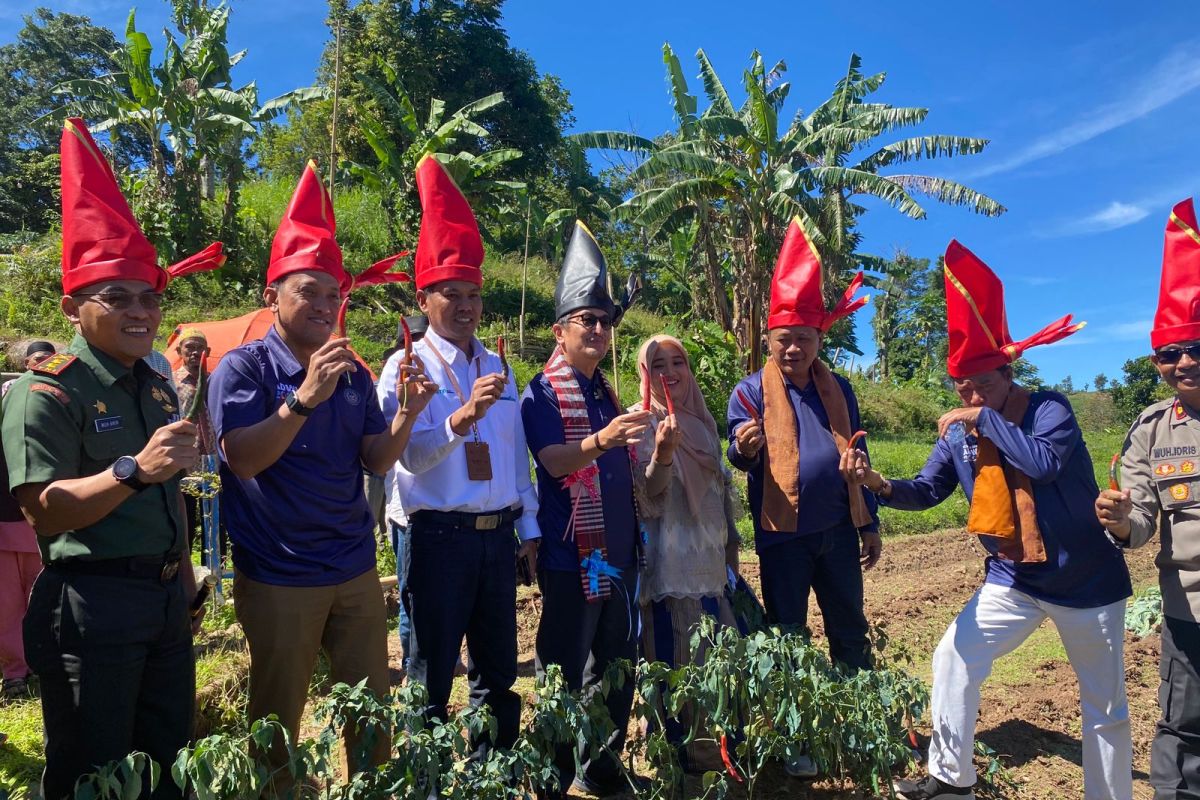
479	458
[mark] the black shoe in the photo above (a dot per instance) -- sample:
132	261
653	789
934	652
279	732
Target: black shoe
932	789
16	689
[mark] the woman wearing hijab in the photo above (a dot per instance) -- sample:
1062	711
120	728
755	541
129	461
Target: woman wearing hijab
686	503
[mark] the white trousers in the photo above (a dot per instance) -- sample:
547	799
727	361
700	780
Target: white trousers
994	623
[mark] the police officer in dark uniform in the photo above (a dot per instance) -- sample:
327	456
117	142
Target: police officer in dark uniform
95	448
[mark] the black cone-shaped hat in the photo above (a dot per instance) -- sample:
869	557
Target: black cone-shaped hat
583	280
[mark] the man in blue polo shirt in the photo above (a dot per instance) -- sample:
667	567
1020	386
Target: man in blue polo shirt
588	564
297	421
1020	458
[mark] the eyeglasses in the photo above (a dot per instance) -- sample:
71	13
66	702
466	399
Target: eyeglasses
589	321
120	301
1172	355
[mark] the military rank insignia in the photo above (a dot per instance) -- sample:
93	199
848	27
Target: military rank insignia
54	365
1181	491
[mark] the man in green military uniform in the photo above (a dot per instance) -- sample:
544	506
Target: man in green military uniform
94	449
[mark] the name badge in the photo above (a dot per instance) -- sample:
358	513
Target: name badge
479	461
105	424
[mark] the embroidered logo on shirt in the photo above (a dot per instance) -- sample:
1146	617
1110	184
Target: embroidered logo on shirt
1181	491
1164	469
1180	413
1187	467
105	424
100	406
352	397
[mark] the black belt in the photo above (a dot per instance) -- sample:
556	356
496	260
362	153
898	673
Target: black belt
465	519
162	568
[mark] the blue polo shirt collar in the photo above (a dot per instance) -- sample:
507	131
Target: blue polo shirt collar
283	357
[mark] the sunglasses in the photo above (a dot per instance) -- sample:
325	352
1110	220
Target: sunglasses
589	321
120	301
1171	355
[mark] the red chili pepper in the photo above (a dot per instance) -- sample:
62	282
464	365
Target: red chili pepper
341	317
746	404
645	387
406	361
854	439
912	734
1114	482
729	767
667	394
500	352
341	328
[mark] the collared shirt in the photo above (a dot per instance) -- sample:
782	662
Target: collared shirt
185	387
544	427
77	423
1160	466
1083	569
432	472
824	497
304	520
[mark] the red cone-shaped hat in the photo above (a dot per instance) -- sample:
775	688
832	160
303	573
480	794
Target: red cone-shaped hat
1178	316
976	319
305	240
101	239
449	247
797	295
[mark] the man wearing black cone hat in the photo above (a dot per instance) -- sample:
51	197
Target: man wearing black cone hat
588	562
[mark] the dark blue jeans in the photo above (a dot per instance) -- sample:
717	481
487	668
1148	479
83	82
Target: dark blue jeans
404	627
461	582
827	562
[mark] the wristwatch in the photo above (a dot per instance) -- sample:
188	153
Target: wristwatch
295	406
124	469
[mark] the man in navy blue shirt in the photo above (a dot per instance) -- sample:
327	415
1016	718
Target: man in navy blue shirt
1021	460
297	421
788	424
588	560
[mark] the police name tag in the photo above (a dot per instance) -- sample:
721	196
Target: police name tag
105	424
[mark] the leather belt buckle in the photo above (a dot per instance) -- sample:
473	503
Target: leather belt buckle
169	570
487	522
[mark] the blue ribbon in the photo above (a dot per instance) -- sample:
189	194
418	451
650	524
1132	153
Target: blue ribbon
596	567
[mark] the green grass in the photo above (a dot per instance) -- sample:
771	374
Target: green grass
21	757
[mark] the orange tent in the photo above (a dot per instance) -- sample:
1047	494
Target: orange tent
224	335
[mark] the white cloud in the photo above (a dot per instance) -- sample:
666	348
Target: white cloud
1174	76
1115	215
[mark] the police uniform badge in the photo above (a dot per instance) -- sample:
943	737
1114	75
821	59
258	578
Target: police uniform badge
1181	491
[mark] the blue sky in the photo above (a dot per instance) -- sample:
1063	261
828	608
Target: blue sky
1093	110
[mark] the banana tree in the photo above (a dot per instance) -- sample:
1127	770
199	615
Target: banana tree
396	157
185	107
734	170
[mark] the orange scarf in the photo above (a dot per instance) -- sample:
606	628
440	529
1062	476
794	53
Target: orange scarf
1002	503
781	467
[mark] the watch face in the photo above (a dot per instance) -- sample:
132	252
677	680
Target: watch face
124	468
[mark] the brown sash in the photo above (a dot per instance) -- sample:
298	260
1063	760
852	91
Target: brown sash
781	455
1002	503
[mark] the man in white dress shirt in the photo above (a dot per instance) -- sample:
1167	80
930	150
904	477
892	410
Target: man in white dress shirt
464	477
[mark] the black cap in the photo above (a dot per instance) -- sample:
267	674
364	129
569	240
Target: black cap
39	347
